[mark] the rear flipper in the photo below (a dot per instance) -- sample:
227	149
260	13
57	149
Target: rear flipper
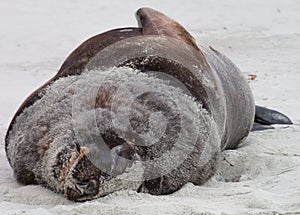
265	117
259	127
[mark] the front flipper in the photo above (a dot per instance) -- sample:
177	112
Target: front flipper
153	22
265	117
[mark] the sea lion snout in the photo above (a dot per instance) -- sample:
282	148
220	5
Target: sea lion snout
90	187
82	190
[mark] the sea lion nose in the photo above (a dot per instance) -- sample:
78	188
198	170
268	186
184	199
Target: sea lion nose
91	187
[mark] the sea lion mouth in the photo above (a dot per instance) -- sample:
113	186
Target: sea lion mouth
82	191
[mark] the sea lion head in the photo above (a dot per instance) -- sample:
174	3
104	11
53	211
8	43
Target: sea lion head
80	179
83	178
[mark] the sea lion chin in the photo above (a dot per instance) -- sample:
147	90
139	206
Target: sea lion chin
141	108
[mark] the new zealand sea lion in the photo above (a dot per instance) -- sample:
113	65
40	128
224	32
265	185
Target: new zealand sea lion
140	108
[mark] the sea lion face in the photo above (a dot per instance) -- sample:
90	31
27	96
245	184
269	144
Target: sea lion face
82	183
82	179
85	181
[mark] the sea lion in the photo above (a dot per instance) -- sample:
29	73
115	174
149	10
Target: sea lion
163	108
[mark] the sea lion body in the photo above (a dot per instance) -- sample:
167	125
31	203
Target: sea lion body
212	110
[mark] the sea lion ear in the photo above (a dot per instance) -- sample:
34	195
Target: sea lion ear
154	22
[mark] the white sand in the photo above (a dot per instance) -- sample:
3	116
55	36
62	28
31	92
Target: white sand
261	37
